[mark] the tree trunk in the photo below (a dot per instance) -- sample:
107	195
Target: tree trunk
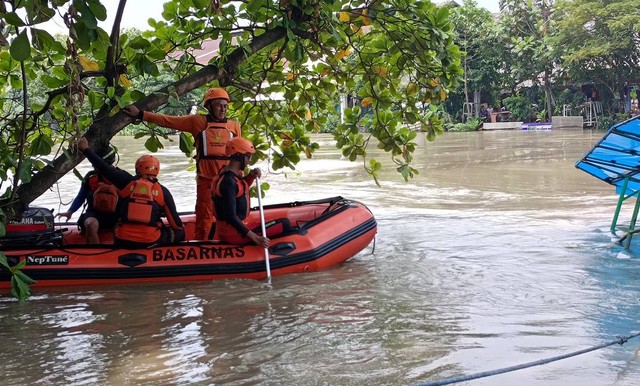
548	96
466	90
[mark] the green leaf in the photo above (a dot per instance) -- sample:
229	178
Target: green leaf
19	289
25	171
83	35
12	18
93	98
186	144
156	54
98	10
375	165
4	264
45	41
86	15
254	6
39	12
15	81
77	174
20	48
18	266
54	82
41	145
298	53
152	144
136	95
140	43
200	4
169	10
145	66
24	278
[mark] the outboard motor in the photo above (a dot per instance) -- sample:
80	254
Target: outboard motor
35	227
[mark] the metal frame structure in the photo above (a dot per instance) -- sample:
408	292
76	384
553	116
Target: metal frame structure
615	159
631	229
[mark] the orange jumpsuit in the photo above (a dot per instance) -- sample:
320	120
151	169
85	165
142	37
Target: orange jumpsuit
208	166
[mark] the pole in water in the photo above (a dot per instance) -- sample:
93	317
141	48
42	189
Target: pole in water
264	231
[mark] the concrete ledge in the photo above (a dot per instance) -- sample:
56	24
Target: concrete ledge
502	126
572	122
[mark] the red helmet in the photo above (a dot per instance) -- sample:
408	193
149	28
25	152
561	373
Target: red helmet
148	164
239	145
215	93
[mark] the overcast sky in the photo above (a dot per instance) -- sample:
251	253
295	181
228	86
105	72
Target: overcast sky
491	5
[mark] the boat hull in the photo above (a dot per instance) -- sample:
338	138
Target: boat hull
328	232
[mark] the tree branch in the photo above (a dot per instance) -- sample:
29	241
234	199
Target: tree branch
114	47
102	130
63	90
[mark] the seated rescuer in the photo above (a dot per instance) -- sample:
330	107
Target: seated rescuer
232	200
101	198
143	201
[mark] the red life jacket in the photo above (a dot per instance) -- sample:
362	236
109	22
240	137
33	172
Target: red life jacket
105	194
94	180
143	202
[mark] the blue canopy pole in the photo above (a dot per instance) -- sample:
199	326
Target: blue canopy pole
632	225
619	206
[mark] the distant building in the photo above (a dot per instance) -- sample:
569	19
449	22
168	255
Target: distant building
207	51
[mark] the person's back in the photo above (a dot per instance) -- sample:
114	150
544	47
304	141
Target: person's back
100	199
144	200
141	214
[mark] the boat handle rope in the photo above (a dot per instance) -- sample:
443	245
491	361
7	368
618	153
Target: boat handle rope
447	381
373	248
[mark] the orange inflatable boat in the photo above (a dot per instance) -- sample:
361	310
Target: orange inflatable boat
326	233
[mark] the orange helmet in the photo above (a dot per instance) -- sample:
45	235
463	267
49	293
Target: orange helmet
215	93
239	145
148	164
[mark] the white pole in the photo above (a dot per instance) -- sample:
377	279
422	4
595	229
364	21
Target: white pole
264	231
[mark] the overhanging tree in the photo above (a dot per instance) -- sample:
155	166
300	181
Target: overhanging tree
599	41
529	24
295	48
476	35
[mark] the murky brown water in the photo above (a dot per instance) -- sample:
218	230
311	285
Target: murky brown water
495	255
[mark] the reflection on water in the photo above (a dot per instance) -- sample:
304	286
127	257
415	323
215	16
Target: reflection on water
496	254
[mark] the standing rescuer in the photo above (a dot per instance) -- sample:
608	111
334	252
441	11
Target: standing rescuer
143	202
211	133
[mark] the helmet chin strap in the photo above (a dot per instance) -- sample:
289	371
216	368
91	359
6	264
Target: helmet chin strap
149	177
240	158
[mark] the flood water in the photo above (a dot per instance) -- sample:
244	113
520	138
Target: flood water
496	254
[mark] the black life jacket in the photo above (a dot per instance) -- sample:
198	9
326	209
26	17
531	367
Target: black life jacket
242	190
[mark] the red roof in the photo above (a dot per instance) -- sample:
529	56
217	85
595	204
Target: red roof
208	49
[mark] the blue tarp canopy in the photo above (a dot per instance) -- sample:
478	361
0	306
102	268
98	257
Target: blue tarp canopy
616	157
